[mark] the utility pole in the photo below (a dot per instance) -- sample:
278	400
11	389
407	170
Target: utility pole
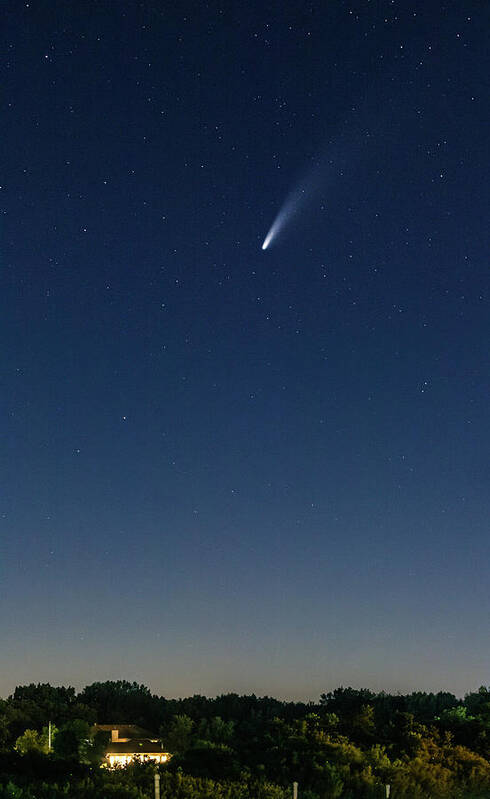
295	790
49	736
387	791
157	785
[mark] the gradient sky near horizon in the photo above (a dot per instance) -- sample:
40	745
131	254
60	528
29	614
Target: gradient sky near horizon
228	469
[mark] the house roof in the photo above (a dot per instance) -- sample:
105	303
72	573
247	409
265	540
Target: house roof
125	730
140	746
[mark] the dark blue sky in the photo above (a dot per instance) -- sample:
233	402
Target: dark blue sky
223	468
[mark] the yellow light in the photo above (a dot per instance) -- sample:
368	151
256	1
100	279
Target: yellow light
123	760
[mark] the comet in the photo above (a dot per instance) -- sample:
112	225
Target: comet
289	208
325	169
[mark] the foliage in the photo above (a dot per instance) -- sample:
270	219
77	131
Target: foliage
178	737
350	744
76	741
34	741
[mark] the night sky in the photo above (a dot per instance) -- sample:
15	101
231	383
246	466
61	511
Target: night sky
224	468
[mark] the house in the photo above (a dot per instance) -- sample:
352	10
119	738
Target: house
129	742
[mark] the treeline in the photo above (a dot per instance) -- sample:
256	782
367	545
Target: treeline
351	743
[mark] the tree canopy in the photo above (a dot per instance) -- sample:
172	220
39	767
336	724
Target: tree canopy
351	743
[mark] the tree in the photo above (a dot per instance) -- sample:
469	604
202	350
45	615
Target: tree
177	739
32	706
122	701
74	741
215	730
346	702
363	726
4	724
34	741
214	761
